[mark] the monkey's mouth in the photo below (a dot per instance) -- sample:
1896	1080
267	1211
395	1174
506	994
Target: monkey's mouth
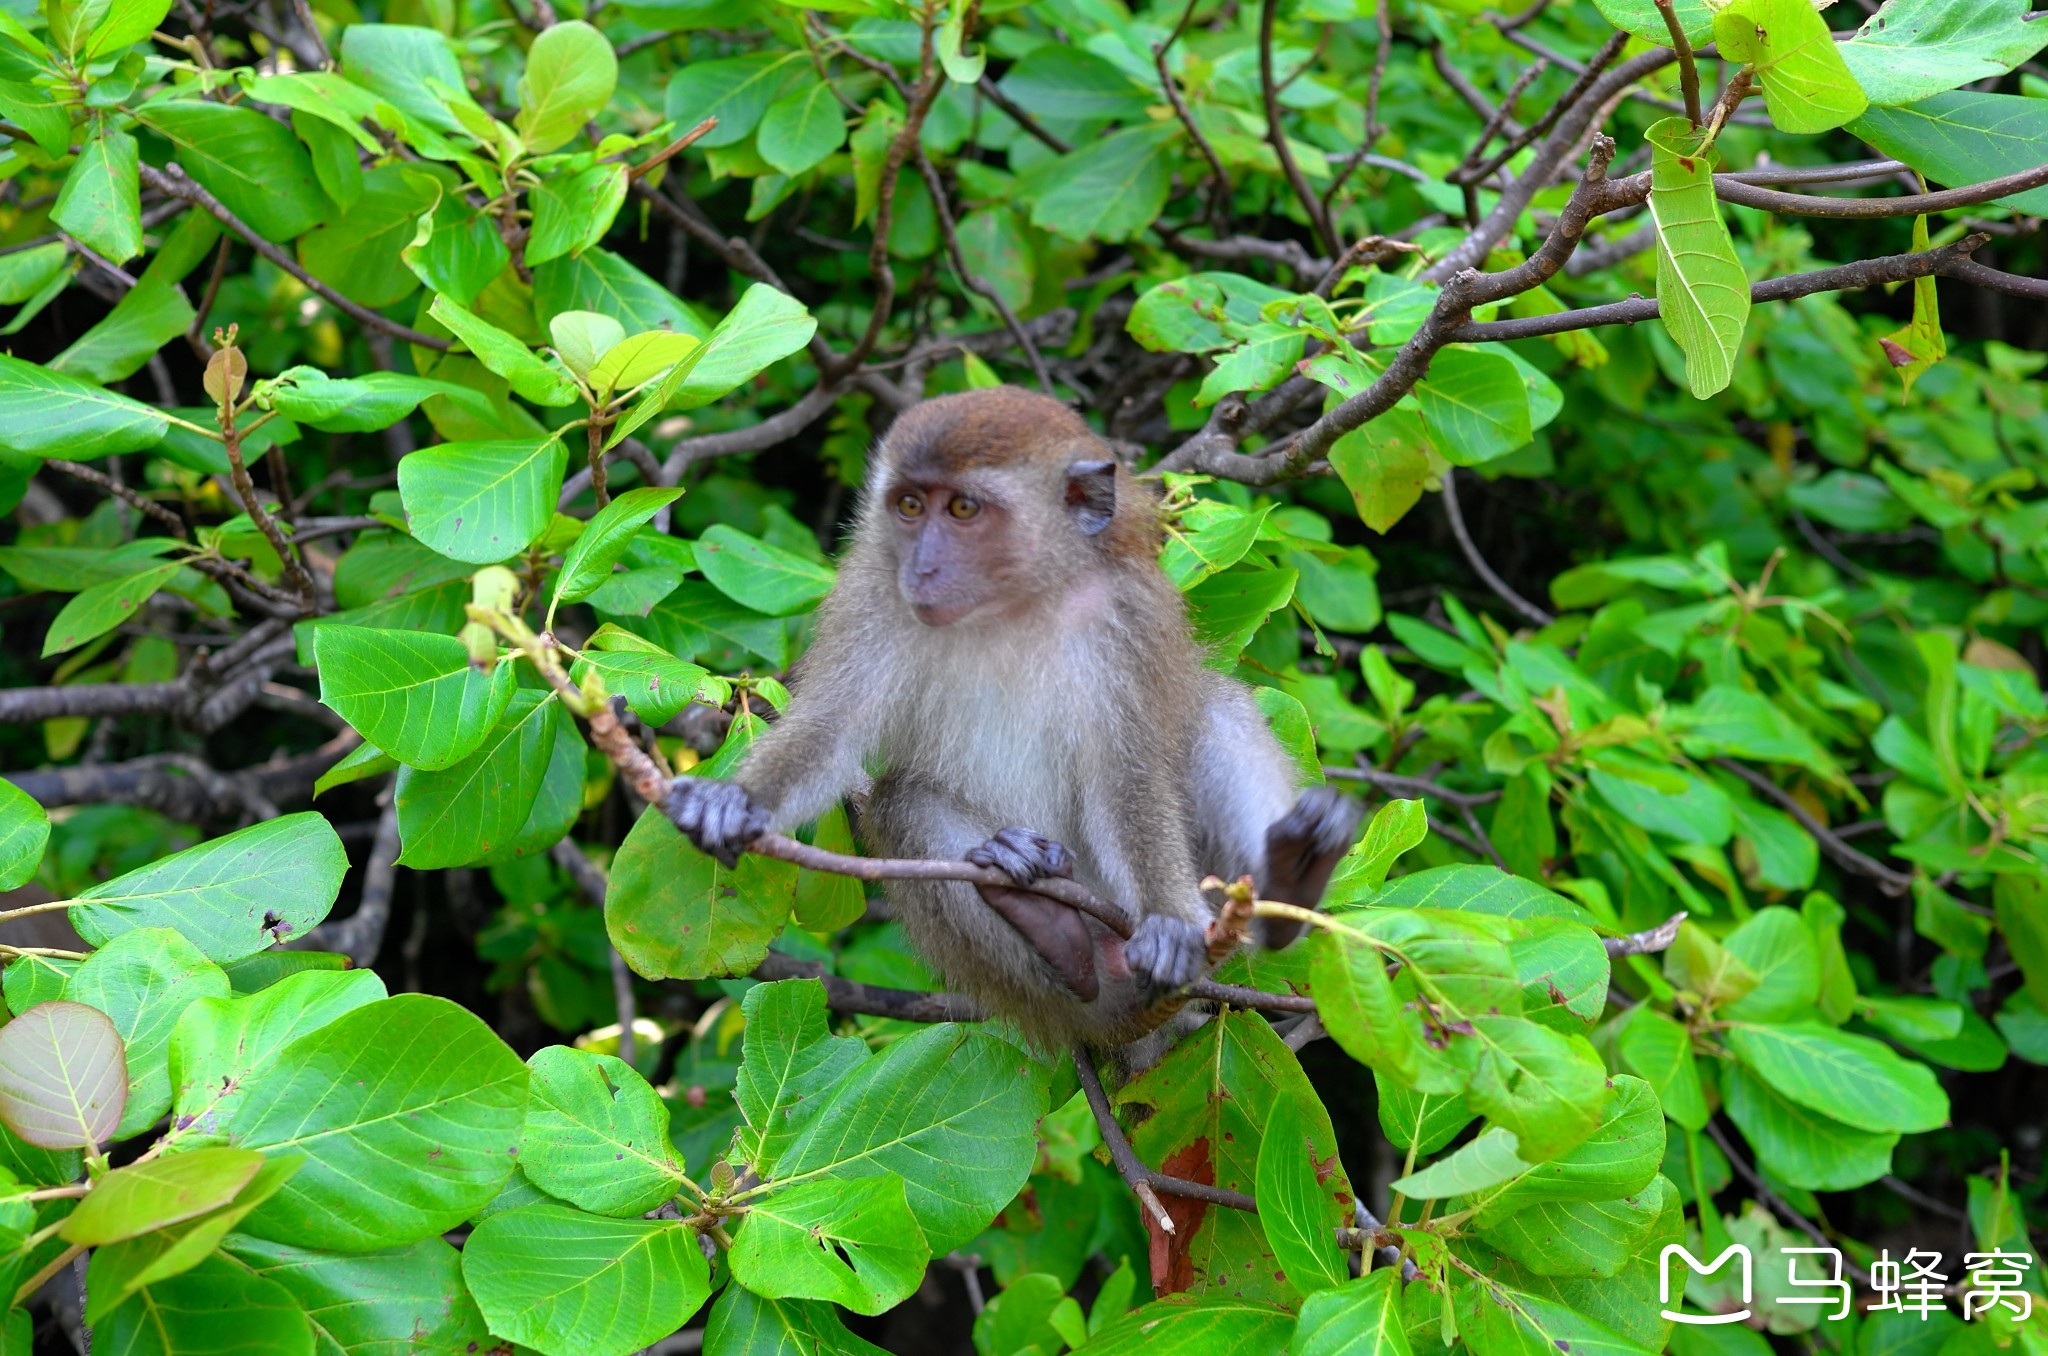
943	612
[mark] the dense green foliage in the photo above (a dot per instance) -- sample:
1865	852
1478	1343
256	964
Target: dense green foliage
392	386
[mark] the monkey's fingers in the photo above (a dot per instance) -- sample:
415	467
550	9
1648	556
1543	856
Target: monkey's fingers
1167	952
1055	931
1303	847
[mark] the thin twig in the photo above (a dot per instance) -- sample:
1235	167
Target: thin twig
1133	1170
1890	881
1688	70
1477	561
1311	205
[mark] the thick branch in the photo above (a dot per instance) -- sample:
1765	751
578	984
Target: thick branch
872	1000
361	935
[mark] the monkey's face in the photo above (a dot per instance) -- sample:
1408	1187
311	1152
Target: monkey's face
955	553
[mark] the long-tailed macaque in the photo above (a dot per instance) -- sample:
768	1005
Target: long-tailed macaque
1003	653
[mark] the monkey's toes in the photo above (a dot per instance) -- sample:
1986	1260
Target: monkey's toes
721	818
1167	952
1024	856
1324	820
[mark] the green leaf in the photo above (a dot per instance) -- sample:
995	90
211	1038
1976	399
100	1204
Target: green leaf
1702	292
148	316
215	1309
24	831
1385	465
1067	81
598	280
790	1059
1265	359
31	980
1807	85
742	1321
412	1094
1776	944
390	1301
761	576
674	912
1620	1158
530	378
1496	1318
104	606
1477	889
1799	1146
62	1081
1582	1238
561	1280
1912	49
360	253
231	896
253	164
364	404
1111	189
736	91
1660	1050
1228	608
1210	537
221	1044
1292	1207
605	538
1965	138
120	1269
1186	1325
570	73
597	1135
1420	1121
764	328
852	1242
465	812
1359	1006
1547	1087
1851	1078
1640	18
1474	405
150	1195
641	358
996	248
100	202
947	1109
1484	1163
412	695
144	980
572	212
801	128
125	23
1357	1318
482	502
456	249
47	414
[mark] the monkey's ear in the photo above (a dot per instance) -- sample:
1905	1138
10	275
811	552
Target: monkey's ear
1091	494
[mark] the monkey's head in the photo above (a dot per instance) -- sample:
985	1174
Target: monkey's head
993	499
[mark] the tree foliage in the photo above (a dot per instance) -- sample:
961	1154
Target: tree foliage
440	413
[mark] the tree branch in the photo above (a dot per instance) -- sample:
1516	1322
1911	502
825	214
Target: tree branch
1311	205
872	1000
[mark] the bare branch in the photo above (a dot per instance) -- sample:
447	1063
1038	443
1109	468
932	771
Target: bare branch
1311	205
1688	71
1031	125
1470	548
1850	859
361	935
1647	942
844	995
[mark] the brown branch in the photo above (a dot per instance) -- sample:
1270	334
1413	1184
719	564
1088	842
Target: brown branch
1128	1165
1600	61
1311	205
1848	858
872	1000
949	230
245	490
1238	996
172	182
1502	589
988	90
361	935
1647	942
1732	188
1219	191
1688	71
591	884
1374	129
182	786
126	494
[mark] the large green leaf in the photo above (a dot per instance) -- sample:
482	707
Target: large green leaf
1807	84
100	202
1475	406
1801	1146
24	830
1547	1087
1851	1078
605	538
158	1192
855	1243
215	1309
735	90
1111	189
674	912
1641	18
530	378
144	980
764	577
570	72
1702	292
102	607
744	1321
1292	1208
790	1057
47	414
597	1134
253	164
359	252
765	327
401	1299
364	404
1187	1325
1358	1005
571	212
220	1044
1913	49
801	128
1582	1238
411	1098
416	697
1358	1318
561	1280
482	502
1965	138
465	812
1618	1159
118	1270
1660	1049
62	1082
231	896
947	1109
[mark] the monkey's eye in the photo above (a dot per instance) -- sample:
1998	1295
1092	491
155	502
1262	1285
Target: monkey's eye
963	507
910	506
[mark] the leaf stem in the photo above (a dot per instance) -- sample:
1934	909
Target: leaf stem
1688	69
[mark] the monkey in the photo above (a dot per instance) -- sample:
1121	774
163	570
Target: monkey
1003	651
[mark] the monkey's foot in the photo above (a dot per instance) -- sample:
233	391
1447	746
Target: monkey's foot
1055	931
721	818
1024	856
1167	952
1302	848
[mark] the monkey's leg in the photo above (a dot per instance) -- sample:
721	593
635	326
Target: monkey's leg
1302	848
1058	933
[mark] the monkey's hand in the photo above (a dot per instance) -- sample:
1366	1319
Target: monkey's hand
1303	847
1055	931
1167	952
721	818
